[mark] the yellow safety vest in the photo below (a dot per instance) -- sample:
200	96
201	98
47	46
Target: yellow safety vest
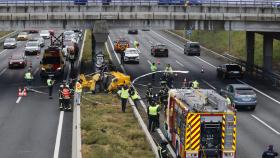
135	96
153	68
169	70
78	88
228	101
195	84
125	93
49	82
153	110
28	76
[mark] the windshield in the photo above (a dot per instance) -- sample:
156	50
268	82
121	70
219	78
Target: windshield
51	60
161	46
23	33
10	40
68	33
131	52
245	91
233	68
123	42
32	44
196	46
44	32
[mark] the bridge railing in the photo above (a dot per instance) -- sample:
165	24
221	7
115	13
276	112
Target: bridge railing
256	70
220	3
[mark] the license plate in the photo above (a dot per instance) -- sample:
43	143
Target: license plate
246	99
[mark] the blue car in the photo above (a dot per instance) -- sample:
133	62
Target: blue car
194	2
80	2
241	95
171	2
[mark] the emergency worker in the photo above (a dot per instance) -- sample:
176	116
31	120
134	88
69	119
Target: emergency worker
122	57
158	106
228	100
270	153
149	94
50	83
134	96
78	90
136	44
162	149
28	77
124	94
168	69
152	112
153	69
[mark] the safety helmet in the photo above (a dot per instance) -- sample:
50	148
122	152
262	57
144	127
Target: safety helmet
67	86
61	86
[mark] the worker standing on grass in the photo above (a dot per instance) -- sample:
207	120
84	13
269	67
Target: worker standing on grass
152	112
78	90
124	94
50	83
153	69
134	96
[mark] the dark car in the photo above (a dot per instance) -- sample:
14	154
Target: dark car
33	31
241	95
17	60
132	31
230	71
80	2
192	48
159	50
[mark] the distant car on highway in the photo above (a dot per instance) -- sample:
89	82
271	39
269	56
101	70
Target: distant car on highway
33	31
23	36
230	71
145	29
17	60
45	34
10	43
276	4
32	48
39	39
69	34
131	55
171	2
80	2
241	95
194	2
192	48
159	50
132	31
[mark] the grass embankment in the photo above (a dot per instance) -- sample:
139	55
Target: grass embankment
3	33
86	62
218	42
109	133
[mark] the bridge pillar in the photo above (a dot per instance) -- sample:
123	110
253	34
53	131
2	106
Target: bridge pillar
250	45
267	51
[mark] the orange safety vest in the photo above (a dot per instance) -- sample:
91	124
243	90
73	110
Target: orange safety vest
66	93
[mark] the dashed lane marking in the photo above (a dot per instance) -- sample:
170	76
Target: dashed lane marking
261	121
3	51
58	135
178	62
3	71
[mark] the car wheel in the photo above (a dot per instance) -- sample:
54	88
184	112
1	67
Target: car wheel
137	62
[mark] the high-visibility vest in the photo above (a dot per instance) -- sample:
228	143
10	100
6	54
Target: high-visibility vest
153	110
168	70
78	87
49	82
195	84
28	76
125	93
153	68
66	93
228	101
135	95
136	44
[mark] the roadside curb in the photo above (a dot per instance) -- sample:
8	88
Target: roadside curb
76	131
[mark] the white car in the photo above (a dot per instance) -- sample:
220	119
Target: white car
45	34
40	40
10	43
131	55
32	48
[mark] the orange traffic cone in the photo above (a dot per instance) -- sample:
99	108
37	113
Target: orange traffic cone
202	70
19	92
38	55
24	92
158	61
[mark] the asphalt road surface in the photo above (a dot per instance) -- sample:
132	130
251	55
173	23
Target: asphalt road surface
256	129
29	125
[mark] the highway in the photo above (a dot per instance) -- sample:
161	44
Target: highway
256	129
29	125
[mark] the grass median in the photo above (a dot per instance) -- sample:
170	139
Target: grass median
109	133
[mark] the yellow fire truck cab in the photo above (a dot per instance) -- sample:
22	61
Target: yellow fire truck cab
200	124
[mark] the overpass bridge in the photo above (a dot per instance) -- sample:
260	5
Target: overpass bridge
263	19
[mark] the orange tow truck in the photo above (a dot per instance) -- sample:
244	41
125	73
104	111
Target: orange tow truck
120	45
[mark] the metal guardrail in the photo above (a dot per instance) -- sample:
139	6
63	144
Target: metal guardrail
256	70
226	3
2	39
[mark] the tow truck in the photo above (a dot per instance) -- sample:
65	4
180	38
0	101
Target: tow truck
200	124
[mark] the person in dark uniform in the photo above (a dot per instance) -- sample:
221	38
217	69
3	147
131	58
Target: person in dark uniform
149	94
270	153
122	57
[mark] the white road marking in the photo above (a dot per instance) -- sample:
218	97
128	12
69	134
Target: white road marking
58	135
180	63
261	121
3	51
116	55
266	95
209	84
3	71
18	100
149	62
37	69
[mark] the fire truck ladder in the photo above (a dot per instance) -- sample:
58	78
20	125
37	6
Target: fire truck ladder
57	41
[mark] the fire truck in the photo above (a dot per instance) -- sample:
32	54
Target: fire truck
200	124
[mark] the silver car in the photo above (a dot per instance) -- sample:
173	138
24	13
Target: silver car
10	43
241	95
32	48
40	40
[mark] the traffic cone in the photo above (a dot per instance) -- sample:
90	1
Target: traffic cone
38	55
158	61
202	70
24	92
19	92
